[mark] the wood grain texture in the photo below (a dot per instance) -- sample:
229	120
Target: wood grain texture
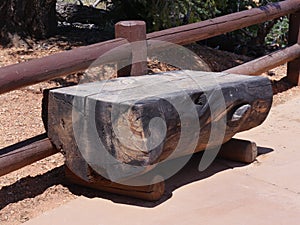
239	150
123	115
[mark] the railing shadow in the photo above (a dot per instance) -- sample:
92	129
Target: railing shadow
30	187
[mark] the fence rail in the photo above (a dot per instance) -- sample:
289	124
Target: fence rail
209	28
265	63
27	73
60	64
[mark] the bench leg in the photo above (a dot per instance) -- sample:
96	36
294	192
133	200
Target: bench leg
151	192
239	150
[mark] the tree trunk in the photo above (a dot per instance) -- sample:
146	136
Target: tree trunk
27	18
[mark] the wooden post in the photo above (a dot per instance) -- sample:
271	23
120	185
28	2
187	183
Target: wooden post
293	70
134	32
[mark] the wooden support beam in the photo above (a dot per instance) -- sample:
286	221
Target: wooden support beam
293	69
239	150
24	153
151	192
135	33
265	63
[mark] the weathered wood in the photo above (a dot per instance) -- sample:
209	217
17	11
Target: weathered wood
239	150
220	25
135	33
151	192
24	153
82	118
293	68
265	63
27	73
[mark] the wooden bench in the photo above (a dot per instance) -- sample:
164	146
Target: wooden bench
116	132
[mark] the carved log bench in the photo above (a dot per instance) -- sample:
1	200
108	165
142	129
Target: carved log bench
115	133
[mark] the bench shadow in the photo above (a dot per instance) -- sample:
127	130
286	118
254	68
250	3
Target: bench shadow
264	150
30	187
281	85
187	175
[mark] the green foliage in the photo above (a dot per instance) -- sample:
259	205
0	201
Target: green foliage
277	37
160	14
255	40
